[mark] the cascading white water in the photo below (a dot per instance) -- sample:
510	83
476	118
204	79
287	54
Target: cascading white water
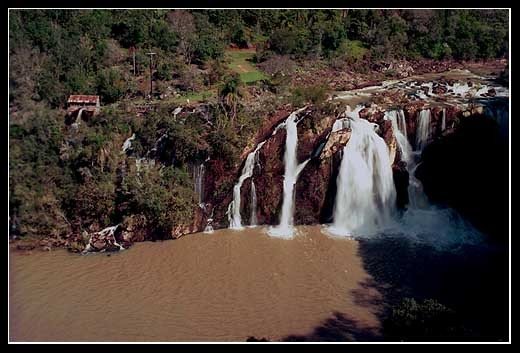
443	121
401	123
107	232
209	228
128	143
253	220
176	111
422	221
365	197
77	122
423	131
500	113
399	128
417	198
198	176
234	217
209	223
343	123
465	90
233	211
292	170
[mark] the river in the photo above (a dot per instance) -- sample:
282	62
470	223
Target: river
225	286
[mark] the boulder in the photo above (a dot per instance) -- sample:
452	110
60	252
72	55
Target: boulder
439	89
104	240
335	142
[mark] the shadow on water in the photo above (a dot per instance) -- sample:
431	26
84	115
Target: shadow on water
471	280
470	283
338	328
467	171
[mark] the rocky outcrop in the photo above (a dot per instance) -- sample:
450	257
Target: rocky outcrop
105	240
316	186
268	179
335	142
197	224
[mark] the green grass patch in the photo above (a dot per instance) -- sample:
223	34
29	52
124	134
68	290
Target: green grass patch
249	77
239	61
194	97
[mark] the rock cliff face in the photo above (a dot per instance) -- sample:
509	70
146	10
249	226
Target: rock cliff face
316	186
315	189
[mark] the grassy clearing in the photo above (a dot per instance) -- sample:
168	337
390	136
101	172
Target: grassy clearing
239	62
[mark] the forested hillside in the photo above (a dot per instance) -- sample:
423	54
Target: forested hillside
244	65
58	52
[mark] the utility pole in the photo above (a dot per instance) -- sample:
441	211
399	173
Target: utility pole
151	71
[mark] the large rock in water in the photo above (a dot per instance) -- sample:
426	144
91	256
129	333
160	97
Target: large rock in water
105	240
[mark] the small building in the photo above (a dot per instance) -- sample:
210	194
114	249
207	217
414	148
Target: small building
89	103
82	106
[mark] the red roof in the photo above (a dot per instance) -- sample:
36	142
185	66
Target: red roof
81	98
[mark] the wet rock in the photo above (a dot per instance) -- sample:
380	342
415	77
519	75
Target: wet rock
75	247
364	113
491	92
269	179
312	129
439	89
401	181
336	141
25	246
104	240
134	228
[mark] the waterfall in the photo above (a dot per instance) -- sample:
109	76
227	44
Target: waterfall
209	223
292	170
128	143
401	123
198	176
233	211
417	198
234	217
176	111
399	128
344	123
77	122
500	113
443	121
423	131
365	197
253	220
209	228
80	112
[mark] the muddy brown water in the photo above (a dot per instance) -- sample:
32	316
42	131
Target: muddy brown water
225	286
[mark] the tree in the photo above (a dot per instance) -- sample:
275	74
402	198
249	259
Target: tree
110	85
183	24
229	96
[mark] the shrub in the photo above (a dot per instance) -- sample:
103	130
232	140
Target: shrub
216	72
311	94
189	79
278	64
412	320
352	51
110	85
163	196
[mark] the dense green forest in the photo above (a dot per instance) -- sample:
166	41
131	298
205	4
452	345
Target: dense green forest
58	52
64	181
